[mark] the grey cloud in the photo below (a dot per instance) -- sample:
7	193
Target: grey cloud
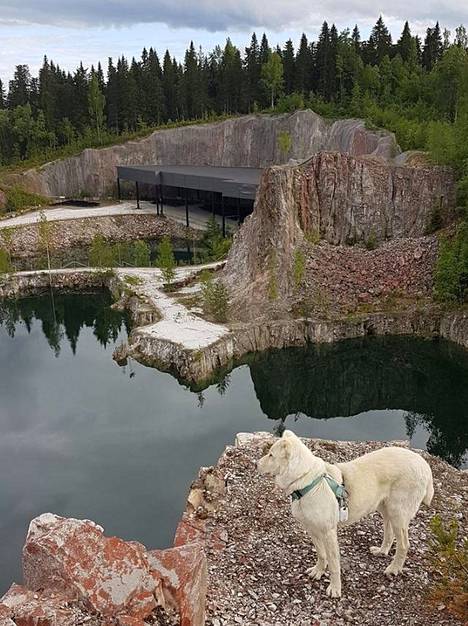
214	15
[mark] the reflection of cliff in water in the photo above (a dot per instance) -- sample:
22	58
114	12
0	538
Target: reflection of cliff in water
429	379
62	317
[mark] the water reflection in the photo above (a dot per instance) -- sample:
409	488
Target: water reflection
63	318
426	378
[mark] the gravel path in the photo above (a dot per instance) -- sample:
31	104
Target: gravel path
258	577
198	217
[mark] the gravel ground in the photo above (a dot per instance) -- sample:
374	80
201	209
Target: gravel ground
259	577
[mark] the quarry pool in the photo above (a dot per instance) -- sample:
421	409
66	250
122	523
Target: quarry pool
81	437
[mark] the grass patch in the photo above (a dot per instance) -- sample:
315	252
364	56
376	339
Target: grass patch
17	199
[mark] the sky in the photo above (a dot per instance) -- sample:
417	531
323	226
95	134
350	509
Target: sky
70	31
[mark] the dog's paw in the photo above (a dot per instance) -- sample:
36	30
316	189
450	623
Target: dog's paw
316	572
377	551
393	570
334	591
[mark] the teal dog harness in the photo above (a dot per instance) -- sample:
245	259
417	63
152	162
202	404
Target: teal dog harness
339	490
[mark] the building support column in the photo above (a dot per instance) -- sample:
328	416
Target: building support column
238	212
187	220
156	194
137	188
161	197
224	216
119	195
212	203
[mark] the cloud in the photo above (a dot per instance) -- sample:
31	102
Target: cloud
218	15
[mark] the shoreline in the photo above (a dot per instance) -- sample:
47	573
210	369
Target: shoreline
169	336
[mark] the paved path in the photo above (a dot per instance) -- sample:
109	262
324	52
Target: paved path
198	217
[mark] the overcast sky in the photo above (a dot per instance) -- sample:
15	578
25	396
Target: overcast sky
68	31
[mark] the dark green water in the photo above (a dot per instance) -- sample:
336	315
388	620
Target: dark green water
81	437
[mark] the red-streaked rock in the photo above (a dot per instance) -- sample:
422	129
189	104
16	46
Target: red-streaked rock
109	575
33	609
128	620
183	571
5	616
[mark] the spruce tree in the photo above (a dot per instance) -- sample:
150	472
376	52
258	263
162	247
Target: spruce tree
252	70
433	48
169	87
404	45
380	43
19	91
303	69
289	67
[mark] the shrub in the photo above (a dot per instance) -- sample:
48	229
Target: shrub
312	236
299	267
290	103
213	246
165	260
449	555
141	254
18	199
101	253
284	143
451	272
371	241
215	297
5	264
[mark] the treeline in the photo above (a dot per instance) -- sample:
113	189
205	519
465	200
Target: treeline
404	85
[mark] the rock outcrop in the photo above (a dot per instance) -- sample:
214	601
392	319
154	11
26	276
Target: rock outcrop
74	574
251	140
335	197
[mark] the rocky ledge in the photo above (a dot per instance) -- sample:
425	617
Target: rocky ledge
74	574
239	557
258	554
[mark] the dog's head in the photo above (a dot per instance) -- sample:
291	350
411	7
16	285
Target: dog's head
277	459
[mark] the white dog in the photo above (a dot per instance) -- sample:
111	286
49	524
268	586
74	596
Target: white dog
393	481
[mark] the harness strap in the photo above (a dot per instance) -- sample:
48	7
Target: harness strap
339	490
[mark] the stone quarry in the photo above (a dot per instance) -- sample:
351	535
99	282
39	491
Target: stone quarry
250	141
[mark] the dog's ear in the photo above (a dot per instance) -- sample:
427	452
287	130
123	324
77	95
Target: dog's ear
288	434
286	447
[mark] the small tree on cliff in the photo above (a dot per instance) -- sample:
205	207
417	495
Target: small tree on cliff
45	233
166	260
272	75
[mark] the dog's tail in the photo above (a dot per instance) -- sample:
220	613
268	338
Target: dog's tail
429	491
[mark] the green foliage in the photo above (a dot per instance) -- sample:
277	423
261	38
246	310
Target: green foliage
215	297
5	262
284	142
299	267
96	102
101	253
371	241
165	260
449	555
451	273
17	199
290	103
213	246
141	254
272	75
312	236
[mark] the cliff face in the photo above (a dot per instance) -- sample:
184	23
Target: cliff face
245	141
339	199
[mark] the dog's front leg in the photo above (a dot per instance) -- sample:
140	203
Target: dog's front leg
333	557
320	567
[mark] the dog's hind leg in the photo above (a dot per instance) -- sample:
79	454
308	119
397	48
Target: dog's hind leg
400	529
388	535
320	567
333	557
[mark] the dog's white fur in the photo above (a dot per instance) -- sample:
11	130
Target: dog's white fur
393	481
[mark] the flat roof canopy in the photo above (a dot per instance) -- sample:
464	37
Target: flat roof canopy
233	182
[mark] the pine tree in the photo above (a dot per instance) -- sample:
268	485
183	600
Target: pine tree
112	98
356	39
433	48
304	67
380	43
19	91
288	59
2	96
169	87
252	70
405	45
152	90
96	103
